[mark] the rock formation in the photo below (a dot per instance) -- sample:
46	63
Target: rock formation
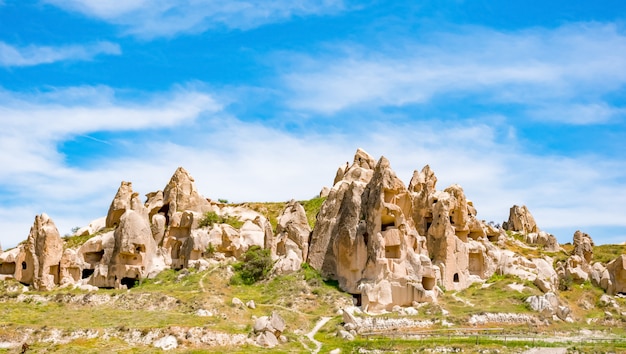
520	220
292	238
377	237
387	244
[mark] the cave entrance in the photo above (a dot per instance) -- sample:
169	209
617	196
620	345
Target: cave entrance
475	265
428	283
165	210
93	257
86	273
357	298
7	268
455	278
129	282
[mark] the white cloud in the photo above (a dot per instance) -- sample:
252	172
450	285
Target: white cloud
535	68
37	55
252	161
168	17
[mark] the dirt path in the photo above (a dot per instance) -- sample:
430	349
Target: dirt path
311	335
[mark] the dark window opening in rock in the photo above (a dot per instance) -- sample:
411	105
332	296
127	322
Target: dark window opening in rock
435	201
387	222
392	251
493	238
7	268
451	220
429	222
94	257
366	238
24	266
428	283
166	211
388	226
86	273
455	278
129	282
140	249
357	299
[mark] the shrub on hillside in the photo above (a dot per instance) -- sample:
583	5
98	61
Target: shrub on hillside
256	265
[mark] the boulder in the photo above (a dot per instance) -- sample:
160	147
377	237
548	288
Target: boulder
615	282
93	227
583	246
520	220
292	238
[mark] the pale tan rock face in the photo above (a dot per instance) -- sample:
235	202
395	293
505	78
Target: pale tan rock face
520	220
339	213
583	246
121	202
292	238
366	239
614	279
180	194
46	247
121	257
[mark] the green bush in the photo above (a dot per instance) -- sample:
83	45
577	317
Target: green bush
210	218
256	265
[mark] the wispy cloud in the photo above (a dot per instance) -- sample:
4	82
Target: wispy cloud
250	161
531	68
37	55
165	18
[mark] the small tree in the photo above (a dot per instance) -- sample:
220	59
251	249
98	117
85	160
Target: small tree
256	265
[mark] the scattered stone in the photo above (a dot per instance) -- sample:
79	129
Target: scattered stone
250	304
166	343
238	303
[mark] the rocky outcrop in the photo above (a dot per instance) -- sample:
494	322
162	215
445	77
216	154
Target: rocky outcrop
125	199
583	246
520	220
268	330
292	238
122	257
365	238
180	194
614	277
578	267
43	252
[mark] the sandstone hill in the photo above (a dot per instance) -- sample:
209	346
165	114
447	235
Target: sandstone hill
388	246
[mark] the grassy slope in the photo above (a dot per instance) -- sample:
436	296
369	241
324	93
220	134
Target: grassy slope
301	299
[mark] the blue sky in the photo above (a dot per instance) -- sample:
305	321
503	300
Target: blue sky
519	102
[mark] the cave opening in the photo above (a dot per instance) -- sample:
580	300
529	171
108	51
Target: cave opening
129	282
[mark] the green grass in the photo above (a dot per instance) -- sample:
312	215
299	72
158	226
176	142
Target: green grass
272	210
606	253
210	218
312	207
77	241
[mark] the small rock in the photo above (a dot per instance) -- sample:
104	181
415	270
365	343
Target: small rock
251	304
166	343
267	339
237	302
345	335
335	351
204	313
